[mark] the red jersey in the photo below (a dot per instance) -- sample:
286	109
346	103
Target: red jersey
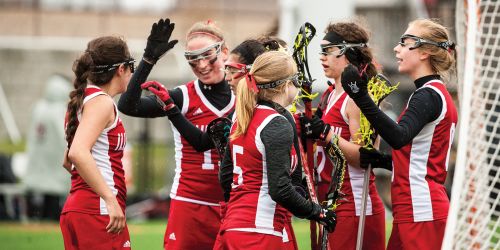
352	188
107	153
251	208
196	173
418	192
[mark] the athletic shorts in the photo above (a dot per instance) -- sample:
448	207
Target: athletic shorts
88	231
426	235
346	233
235	240
191	226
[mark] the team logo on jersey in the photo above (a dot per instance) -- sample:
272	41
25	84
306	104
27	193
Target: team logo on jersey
126	244
198	112
354	87
172	236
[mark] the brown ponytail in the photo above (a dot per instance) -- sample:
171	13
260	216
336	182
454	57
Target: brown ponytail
100	51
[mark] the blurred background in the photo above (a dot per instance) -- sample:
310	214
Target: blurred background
40	39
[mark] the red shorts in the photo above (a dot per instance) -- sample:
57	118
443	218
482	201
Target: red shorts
346	232
289	239
418	235
191	226
234	240
88	231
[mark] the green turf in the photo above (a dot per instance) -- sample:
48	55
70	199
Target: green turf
144	235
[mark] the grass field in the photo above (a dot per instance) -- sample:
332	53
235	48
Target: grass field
144	235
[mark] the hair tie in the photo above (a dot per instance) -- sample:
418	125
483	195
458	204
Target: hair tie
251	83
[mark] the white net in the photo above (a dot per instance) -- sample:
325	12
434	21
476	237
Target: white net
475	207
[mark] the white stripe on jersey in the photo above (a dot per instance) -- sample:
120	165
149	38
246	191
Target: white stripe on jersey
100	154
185	99
419	188
356	177
266	206
178	157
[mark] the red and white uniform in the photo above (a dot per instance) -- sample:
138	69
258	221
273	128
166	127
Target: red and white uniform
418	192
251	208
107	153
352	188
196	173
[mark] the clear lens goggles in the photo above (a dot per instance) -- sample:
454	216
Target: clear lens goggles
419	41
236	70
209	53
326	49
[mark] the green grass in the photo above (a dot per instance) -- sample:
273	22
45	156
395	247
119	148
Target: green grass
144	235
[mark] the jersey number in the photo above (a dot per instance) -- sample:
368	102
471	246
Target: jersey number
237	171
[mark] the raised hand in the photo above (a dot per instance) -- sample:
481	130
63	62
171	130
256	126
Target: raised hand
158	40
355	84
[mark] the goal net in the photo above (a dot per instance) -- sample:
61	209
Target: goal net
473	221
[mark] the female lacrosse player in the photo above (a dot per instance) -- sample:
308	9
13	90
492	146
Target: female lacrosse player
238	64
262	157
422	137
194	211
346	43
94	214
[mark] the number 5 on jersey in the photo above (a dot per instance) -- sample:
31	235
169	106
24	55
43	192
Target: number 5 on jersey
237	171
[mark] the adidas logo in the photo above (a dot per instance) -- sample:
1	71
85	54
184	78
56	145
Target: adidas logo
172	236
126	244
198	112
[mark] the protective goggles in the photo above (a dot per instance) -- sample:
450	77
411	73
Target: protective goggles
343	47
98	69
236	70
294	79
209	53
418	41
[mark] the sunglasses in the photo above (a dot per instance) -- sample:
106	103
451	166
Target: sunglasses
98	69
209	53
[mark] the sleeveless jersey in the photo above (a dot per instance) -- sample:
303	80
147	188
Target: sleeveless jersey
352	188
196	173
418	192
107	153
251	208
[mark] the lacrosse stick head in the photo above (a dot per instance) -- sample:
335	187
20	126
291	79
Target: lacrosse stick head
218	130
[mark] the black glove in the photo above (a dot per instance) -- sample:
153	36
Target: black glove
354	84
314	128
325	217
375	158
158	43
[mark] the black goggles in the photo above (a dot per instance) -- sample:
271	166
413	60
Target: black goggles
294	79
99	69
419	41
343	47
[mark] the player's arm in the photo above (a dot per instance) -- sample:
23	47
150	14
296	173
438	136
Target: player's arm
131	103
170	101
97	114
